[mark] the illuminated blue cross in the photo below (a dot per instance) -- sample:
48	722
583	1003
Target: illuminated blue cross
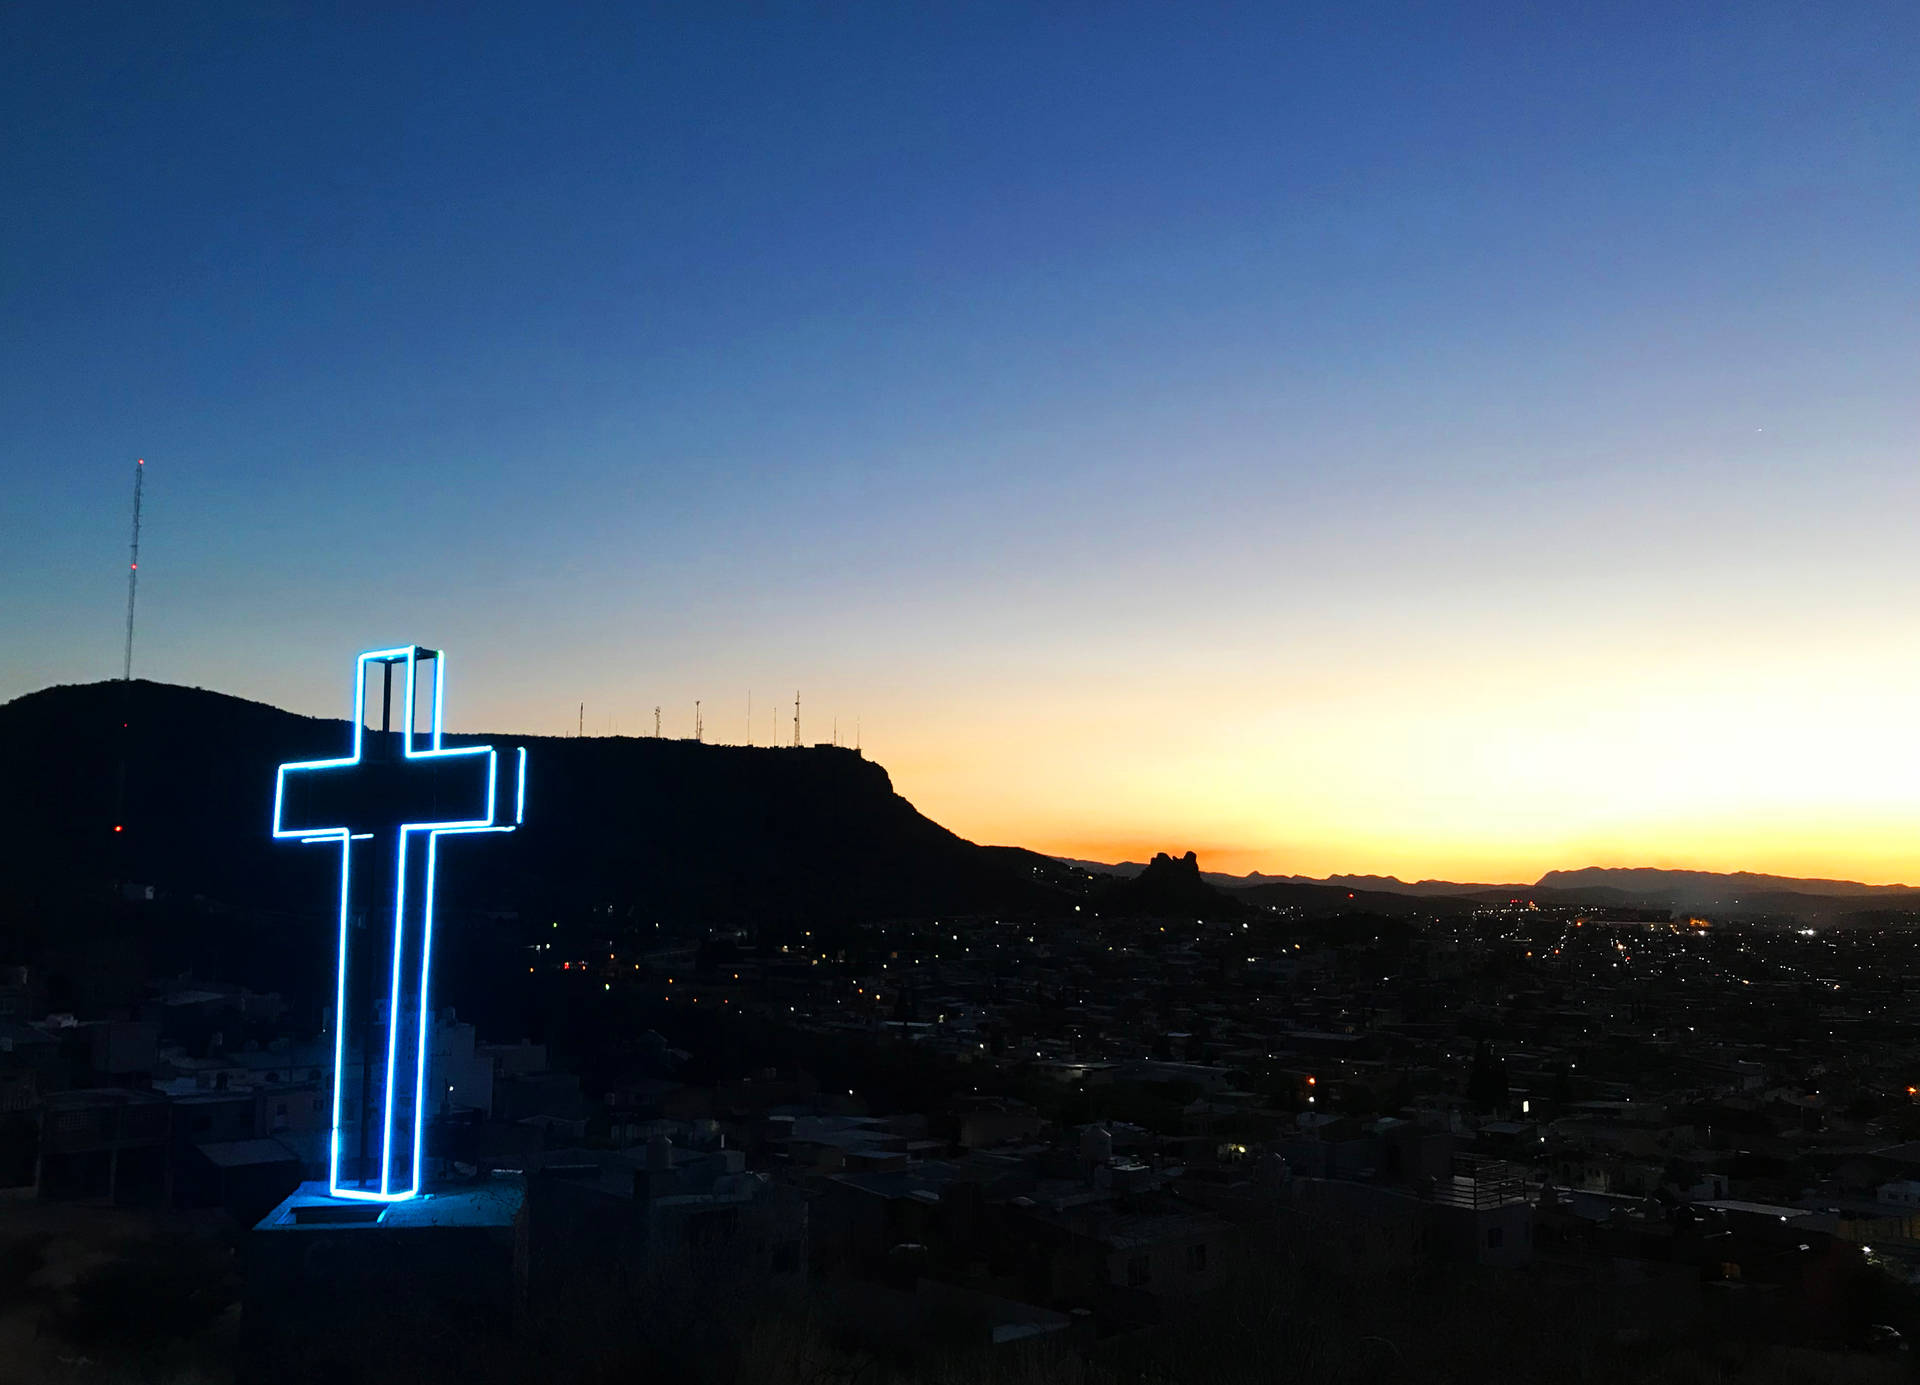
376	805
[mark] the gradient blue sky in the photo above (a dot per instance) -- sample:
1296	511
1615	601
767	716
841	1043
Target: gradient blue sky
1392	437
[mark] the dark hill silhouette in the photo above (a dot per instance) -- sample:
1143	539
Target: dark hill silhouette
1167	887
670	830
1689	888
1736	895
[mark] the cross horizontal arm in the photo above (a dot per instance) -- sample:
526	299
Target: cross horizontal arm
440	788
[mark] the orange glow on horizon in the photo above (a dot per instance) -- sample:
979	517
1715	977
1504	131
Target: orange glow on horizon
1493	772
1381	859
1677	739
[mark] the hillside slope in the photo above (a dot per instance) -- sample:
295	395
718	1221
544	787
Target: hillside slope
675	830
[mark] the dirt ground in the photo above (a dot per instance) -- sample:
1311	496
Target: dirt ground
51	1256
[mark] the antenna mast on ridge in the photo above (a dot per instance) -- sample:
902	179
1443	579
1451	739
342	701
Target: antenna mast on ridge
698	730
133	565
656	723
796	721
126	667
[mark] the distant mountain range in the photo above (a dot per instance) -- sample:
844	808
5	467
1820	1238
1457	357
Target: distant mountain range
640	833
1719	888
1389	884
1735	893
689	835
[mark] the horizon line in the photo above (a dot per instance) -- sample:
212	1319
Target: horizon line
1062	857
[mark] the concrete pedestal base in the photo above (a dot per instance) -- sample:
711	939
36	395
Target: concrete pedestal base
424	1290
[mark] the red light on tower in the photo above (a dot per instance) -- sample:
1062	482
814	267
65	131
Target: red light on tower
116	827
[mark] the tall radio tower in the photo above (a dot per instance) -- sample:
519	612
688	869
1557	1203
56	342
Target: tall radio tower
133	566
699	731
796	720
126	666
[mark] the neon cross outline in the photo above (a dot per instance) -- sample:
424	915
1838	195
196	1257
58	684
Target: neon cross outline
346	836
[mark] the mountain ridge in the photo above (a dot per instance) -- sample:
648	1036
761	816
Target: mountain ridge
1752	882
683	831
1648	883
694	832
